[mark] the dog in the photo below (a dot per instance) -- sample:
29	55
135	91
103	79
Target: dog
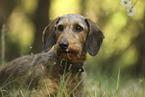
66	41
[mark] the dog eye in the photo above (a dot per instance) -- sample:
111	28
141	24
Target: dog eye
78	29
60	28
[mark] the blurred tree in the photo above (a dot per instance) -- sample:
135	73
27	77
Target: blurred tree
40	21
83	7
140	45
6	7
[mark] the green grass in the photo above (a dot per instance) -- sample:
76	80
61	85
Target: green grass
114	86
97	84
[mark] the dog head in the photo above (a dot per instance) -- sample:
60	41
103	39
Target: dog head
73	35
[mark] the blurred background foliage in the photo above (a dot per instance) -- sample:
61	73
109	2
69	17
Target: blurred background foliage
123	46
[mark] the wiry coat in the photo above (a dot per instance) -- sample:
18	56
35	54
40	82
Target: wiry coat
72	36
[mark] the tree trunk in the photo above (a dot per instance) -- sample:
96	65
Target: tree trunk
41	20
140	66
6	8
83	7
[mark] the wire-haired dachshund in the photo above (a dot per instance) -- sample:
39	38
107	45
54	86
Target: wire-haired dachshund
58	70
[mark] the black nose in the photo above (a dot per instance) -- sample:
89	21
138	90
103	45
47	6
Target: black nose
63	45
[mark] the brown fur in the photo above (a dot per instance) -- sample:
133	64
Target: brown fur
44	71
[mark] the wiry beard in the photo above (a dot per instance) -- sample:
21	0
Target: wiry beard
74	55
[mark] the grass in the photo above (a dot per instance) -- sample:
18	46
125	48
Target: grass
114	86
97	84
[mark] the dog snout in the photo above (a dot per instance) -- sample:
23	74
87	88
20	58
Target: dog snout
63	45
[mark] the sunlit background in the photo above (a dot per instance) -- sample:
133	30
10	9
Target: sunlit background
122	51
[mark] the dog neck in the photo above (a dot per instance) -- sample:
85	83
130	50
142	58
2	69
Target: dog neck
69	65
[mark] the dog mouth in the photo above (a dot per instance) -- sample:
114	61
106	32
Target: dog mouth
70	54
64	52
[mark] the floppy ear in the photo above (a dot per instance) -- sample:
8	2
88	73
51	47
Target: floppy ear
94	38
49	37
